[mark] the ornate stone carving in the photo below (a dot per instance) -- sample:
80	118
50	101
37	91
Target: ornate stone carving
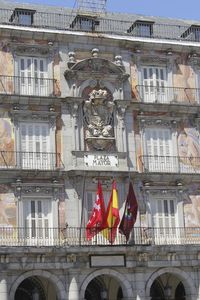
72	59
98	119
32	49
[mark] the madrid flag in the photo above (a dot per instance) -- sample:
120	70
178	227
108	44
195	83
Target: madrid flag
94	224
112	216
130	213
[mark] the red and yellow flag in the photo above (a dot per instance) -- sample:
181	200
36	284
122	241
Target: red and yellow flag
112	216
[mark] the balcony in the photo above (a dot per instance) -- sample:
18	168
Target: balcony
76	236
30	160
167	95
169	164
28	86
68	21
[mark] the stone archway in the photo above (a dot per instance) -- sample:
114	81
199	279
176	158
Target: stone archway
126	289
183	277
39	276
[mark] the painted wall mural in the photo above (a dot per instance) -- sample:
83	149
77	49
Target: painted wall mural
189	146
7	207
192	211
7	157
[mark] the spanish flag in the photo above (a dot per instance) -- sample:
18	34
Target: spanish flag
112	218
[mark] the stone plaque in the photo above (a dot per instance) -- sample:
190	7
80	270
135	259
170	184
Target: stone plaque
107	261
102	160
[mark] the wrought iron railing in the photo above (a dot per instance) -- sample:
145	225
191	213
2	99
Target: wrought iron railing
76	236
165	94
30	160
29	86
73	21
170	164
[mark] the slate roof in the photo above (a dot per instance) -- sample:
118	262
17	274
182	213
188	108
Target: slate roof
114	23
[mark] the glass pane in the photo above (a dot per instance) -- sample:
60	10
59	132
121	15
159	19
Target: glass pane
33	229
25	19
29	64
39	209
145	73
32	209
41	66
22	64
172	212
150	73
161	74
166	208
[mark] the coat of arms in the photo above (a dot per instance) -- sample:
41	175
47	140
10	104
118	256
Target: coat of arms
98	119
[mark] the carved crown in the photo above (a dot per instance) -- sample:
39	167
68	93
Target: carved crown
100	94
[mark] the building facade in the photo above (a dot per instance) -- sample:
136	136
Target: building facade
87	97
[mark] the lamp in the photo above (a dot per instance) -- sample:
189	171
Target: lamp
104	294
168	291
169	51
35	295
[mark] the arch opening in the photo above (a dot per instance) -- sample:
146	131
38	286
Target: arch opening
104	287
36	288
167	286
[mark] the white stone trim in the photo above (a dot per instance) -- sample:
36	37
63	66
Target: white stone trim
103	35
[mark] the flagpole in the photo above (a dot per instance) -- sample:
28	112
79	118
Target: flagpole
82	207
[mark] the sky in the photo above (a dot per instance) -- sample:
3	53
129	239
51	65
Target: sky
183	9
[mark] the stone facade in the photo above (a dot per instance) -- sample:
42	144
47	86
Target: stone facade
79	105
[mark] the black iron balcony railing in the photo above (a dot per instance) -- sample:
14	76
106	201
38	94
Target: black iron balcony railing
28	86
30	160
165	94
170	164
76	236
72	21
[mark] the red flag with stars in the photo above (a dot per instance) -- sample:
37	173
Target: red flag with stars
95	222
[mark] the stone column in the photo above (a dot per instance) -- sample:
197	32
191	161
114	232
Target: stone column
73	288
3	289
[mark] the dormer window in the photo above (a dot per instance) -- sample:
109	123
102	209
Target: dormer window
22	16
85	23
192	33
141	28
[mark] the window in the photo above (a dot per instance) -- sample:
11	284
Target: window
154	81
37	219
192	33
165	219
141	28
32	77
158	147
22	16
85	23
35	146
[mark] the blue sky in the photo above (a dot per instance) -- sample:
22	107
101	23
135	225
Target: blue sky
183	9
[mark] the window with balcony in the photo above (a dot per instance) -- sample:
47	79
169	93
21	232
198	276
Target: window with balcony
141	28
159	150
22	16
164	218
154	82
37	220
35	145
32	78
